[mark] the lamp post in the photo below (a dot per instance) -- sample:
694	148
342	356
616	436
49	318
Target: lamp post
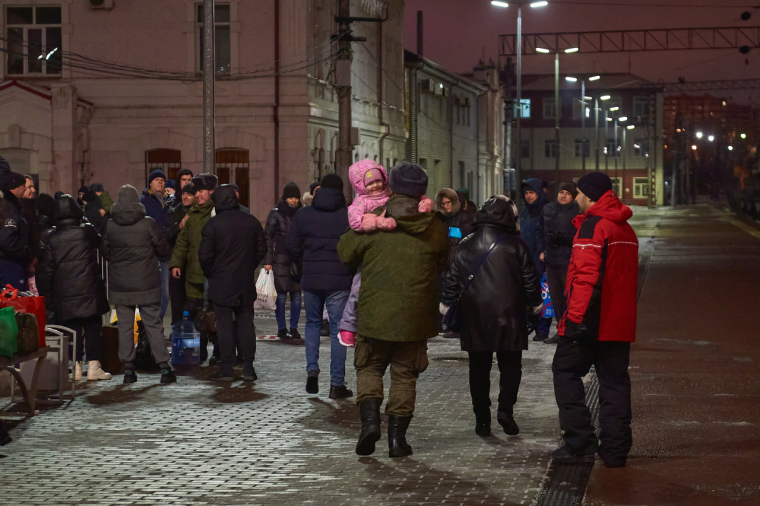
603	98
518	50
583	116
621	119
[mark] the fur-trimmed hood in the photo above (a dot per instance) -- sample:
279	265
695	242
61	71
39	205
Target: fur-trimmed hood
452	196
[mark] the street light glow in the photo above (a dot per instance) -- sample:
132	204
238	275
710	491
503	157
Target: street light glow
594	78
587	98
694	147
542	50
699	135
623	119
744	136
572	50
571	79
631	127
608	119
539	4
711	138
605	97
499	4
730	148
613	109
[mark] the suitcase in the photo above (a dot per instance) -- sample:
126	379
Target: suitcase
109	359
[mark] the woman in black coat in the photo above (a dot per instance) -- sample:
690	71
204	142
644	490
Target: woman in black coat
46	206
94	212
494	308
70	263
277	227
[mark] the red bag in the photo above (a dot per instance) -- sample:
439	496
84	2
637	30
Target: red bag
33	305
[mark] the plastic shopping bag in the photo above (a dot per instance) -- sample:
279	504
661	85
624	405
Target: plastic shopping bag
548	311
35	305
8	332
266	294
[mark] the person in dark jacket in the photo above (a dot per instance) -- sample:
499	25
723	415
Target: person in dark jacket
559	232
237	194
277	227
80	195
312	241
70	263
232	246
94	212
532	232
465	203
46	206
133	244
15	255
494	307
184	178
598	326
175	222
156	202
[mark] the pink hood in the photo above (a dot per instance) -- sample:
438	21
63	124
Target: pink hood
357	171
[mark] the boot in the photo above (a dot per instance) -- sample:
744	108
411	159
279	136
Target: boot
78	371
507	422
95	371
397	445
370	434
5	438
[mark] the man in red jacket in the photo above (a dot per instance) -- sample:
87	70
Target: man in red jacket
599	325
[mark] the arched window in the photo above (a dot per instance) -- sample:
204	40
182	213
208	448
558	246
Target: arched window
232	166
167	160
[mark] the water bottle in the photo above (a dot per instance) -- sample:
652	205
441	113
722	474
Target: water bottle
186	342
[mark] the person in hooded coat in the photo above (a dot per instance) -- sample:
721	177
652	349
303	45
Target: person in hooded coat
46	206
105	198
494	307
133	244
532	232
277	228
559	232
232	246
94	212
70	263
15	255
465	203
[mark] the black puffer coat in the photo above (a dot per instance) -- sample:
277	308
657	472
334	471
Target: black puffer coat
70	263
43	278
174	216
559	233
494	308
277	227
133	244
313	239
532	222
92	211
232	246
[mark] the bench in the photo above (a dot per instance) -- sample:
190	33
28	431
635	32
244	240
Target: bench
9	364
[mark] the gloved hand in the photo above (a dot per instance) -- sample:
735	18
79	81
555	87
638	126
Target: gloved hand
443	309
369	222
384	223
578	332
426	204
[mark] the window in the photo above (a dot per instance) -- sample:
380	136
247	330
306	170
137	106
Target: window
222	39
617	185
582	148
550	149
34	40
641	107
232	167
641	147
612	149
462	173
550	109
525	149
640	187
167	160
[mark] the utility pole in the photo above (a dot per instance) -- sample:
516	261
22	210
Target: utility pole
343	75
596	119
209	75
557	114
518	158
583	127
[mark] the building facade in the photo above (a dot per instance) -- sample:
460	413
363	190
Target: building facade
106	91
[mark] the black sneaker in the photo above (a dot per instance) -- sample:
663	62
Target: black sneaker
312	383
295	334
553	339
565	453
341	392
130	376
450	334
284	334
168	376
249	374
540	337
223	376
483	429
507	422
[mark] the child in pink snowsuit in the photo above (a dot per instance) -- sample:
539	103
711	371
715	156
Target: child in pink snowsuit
370	181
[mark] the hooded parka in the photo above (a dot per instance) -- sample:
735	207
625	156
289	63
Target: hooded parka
231	248
275	231
531	221
92	211
133	244
70	263
495	306
458	220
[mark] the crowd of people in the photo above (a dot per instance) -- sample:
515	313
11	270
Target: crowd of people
384	272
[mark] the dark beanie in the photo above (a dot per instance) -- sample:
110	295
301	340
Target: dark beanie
234	186
155	174
46	205
205	182
96	187
291	191
408	179
333	181
13	181
570	188
188	188
313	186
83	189
171	184
594	185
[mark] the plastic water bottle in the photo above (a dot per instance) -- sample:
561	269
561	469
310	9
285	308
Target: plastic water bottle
186	342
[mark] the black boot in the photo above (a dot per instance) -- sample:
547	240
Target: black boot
5	438
370	434
397	445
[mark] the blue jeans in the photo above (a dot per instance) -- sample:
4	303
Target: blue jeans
335	301
295	309
166	274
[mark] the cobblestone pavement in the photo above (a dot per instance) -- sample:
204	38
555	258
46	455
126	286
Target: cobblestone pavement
197	442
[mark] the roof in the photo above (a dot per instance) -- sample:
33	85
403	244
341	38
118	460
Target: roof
35	89
545	82
413	59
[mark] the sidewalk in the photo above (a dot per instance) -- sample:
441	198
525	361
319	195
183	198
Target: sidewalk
696	386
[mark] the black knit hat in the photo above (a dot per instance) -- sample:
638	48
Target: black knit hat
570	188
313	186
408	179
156	174
594	185
290	191
333	181
13	181
97	187
205	182
188	188
46	205
83	189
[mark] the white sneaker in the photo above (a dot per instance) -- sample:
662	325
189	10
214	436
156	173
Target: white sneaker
95	372
77	371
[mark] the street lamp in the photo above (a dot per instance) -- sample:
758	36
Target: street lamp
699	135
744	136
694	147
583	119
497	3
711	138
730	148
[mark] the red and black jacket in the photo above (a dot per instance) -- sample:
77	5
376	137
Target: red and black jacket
603	275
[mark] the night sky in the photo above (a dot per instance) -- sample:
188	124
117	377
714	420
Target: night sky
459	32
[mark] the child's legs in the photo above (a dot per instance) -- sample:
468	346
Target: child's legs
348	322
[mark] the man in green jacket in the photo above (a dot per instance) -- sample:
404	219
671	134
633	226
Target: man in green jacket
185	254
398	306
